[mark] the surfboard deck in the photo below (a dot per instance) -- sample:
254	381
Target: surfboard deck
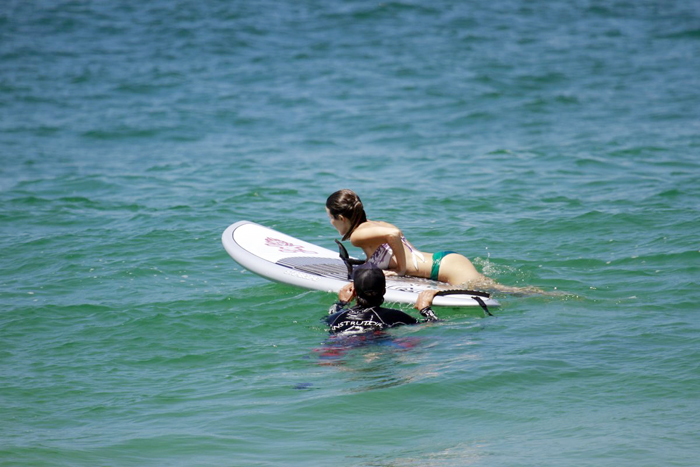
283	258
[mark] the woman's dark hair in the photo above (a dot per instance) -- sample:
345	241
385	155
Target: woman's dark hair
346	203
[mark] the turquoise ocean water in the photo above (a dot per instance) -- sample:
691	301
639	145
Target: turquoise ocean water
555	143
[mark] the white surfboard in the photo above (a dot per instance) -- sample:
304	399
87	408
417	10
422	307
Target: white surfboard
282	258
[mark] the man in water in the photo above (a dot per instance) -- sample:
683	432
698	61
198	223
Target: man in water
368	288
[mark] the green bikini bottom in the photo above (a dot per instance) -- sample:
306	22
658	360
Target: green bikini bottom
437	259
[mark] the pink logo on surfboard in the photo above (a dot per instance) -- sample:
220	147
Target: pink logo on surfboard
286	247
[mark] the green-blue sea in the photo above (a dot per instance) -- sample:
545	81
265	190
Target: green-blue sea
554	143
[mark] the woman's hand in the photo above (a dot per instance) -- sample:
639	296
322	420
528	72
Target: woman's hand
393	273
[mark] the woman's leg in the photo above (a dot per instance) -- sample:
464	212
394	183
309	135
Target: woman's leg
457	270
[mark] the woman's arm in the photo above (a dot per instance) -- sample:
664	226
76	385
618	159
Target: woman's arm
375	234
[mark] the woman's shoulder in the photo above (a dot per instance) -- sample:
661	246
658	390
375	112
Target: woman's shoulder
371	229
372	225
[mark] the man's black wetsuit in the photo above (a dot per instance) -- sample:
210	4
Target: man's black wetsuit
360	319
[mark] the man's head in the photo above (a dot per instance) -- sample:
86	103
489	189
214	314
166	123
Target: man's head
370	286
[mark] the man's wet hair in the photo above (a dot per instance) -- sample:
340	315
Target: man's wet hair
370	285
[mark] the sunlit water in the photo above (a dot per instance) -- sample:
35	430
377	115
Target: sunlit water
554	144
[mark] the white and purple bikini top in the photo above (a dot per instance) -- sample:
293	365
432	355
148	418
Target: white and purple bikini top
381	257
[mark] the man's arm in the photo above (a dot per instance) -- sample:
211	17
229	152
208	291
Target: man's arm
345	296
425	299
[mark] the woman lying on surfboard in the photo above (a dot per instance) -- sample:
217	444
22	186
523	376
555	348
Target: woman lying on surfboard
388	249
